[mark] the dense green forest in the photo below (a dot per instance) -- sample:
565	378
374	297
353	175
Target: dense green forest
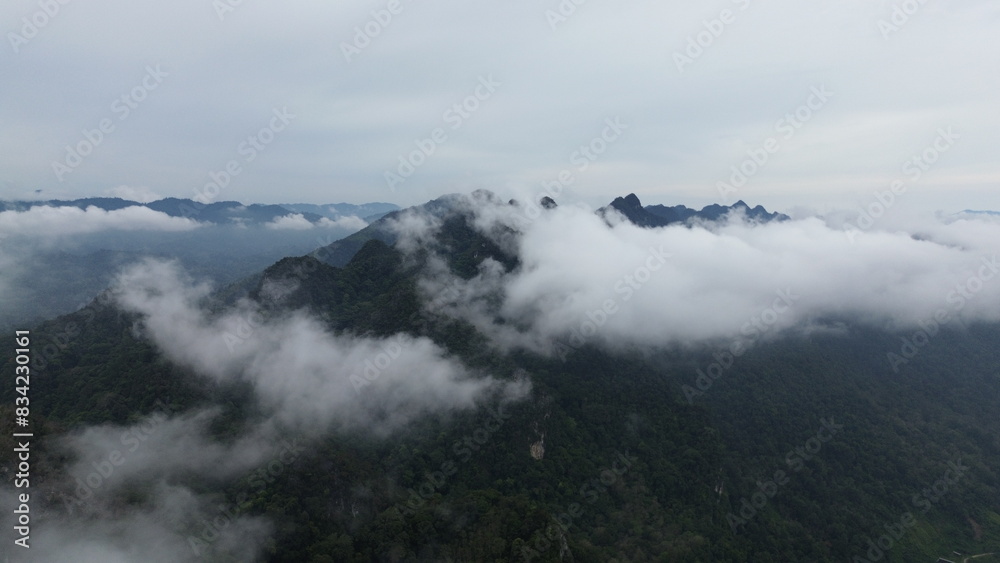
805	448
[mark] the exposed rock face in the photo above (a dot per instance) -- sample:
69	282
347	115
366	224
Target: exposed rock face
538	449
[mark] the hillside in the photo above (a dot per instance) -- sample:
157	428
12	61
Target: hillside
806	447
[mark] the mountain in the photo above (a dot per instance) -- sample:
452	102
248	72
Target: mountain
225	212
802	448
661	216
340	252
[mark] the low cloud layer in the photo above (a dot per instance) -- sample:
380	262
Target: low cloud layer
295	221
164	528
348	222
582	280
310	377
298	222
49	222
127	493
28	234
164	445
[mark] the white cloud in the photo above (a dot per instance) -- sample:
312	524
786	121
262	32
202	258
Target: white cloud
298	222
309	377
164	445
293	222
157	529
46	222
347	222
681	285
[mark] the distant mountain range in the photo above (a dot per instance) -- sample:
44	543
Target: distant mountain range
662	215
222	212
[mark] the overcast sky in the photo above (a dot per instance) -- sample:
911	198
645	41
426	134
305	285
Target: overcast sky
339	107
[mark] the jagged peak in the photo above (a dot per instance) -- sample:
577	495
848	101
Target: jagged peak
630	200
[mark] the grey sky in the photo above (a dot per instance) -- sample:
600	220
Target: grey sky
553	85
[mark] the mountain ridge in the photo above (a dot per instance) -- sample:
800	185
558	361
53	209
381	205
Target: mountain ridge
340	252
662	216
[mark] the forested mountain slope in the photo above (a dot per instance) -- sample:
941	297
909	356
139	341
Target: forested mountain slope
807	447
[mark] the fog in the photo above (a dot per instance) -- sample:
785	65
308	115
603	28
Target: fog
308	382
586	279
